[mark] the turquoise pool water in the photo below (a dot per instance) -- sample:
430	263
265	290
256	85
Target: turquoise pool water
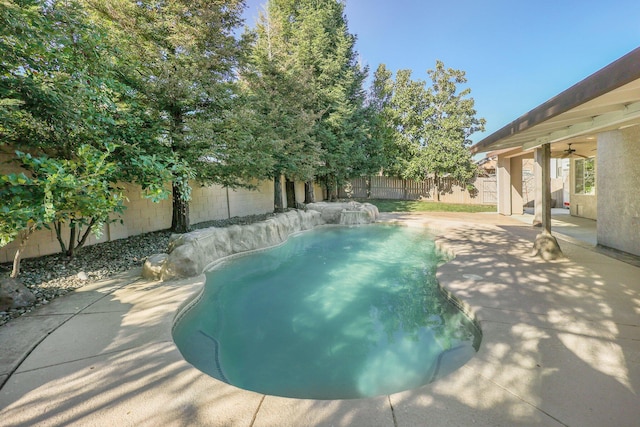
334	313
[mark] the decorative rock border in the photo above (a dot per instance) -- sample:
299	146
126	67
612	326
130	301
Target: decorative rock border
350	213
189	254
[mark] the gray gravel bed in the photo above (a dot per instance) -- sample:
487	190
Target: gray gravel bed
51	276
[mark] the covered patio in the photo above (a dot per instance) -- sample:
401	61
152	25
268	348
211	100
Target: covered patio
595	124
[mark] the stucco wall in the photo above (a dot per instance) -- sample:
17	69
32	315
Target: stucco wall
585	206
618	187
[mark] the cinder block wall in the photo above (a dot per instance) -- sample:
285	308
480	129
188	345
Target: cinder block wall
246	202
207	204
143	216
618	184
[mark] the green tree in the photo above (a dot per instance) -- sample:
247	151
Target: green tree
278	92
374	147
432	127
405	112
23	211
450	122
184	57
80	193
381	123
320	42
83	193
60	94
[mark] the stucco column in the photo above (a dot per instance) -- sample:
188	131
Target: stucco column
516	186
503	178
618	184
538	187
542	173
546	182
546	246
509	182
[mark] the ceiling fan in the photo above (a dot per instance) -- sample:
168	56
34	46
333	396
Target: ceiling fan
569	152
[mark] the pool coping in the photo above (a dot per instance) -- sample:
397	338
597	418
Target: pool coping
104	353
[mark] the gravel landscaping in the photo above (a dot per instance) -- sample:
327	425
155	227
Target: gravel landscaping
51	276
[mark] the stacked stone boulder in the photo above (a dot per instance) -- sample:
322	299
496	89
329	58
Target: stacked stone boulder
191	253
349	213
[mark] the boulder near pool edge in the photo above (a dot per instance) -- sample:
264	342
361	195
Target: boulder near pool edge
189	254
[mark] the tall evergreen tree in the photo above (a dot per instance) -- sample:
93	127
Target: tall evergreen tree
186	55
277	89
375	148
321	43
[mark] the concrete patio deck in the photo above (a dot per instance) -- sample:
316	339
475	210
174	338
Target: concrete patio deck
561	346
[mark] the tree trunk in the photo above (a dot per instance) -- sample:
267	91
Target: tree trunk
277	195
58	227
368	181
83	240
180	218
228	204
290	188
24	236
74	245
332	189
72	240
309	196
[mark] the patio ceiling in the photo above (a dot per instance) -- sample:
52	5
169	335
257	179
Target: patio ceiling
607	100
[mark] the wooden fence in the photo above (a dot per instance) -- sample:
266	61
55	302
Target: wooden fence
382	187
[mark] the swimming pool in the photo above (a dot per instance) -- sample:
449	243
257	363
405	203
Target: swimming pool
334	313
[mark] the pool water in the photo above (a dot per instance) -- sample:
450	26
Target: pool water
334	313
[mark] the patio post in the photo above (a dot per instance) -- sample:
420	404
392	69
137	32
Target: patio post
542	170
545	245
538	199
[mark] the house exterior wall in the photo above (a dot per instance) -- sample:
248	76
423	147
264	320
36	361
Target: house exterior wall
529	184
517	185
618	185
585	206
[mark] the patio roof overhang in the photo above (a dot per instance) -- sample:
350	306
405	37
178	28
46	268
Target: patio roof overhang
607	100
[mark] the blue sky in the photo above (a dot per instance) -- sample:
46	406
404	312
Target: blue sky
517	54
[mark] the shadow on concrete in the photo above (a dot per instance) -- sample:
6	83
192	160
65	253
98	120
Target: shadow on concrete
562	337
561	346
115	363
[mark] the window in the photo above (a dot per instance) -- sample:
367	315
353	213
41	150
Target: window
585	176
